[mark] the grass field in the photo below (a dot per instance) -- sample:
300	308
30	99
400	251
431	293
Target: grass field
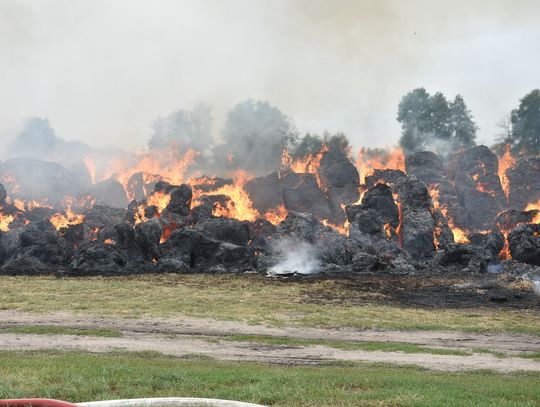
85	377
253	299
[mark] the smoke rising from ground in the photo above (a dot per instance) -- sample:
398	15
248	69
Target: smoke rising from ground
102	71
297	257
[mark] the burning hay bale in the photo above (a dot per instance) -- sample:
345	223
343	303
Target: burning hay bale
474	172
417	221
306	218
524	182
265	192
524	242
301	193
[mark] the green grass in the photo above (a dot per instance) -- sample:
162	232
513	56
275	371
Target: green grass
530	355
253	299
83	377
60	330
346	345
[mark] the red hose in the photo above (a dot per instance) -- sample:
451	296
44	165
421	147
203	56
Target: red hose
35	403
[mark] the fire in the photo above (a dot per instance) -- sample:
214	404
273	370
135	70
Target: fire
159	200
392	159
460	235
241	207
505	162
309	164
168	163
140	215
343	229
277	215
534	206
388	230
109	241
61	220
5	221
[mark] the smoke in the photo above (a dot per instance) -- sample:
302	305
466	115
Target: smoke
102	71
298	257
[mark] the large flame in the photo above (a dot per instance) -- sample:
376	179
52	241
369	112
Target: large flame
505	162
391	159
241	207
169	163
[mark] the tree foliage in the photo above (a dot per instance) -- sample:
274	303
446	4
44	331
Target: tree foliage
431	122
183	129
255	135
525	124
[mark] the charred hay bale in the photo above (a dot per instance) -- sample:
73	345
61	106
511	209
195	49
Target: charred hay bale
206	204
524	179
509	219
384	176
148	235
493	242
100	216
140	185
372	223
34	179
225	230
99	258
474	173
299	226
301	194
443	233
464	258
524	243
39	249
119	234
110	193
3	195
429	168
417	222
180	202
265	192
341	182
193	251
380	199
426	166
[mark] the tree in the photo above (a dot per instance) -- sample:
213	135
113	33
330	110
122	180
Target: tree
432	123
255	134
525	124
36	139
463	127
414	114
183	129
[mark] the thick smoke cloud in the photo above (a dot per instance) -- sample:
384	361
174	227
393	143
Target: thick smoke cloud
102	71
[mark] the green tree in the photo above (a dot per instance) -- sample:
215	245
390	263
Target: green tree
463	126
432	123
183	129
255	134
525	124
414	114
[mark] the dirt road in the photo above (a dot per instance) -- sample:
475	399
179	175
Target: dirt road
189	336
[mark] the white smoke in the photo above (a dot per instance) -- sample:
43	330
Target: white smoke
296	257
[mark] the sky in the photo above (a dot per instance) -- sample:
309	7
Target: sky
102	71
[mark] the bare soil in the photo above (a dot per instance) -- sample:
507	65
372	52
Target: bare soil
190	336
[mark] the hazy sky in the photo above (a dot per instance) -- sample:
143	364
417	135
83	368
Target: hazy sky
102	70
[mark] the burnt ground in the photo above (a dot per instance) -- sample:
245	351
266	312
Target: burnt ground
427	291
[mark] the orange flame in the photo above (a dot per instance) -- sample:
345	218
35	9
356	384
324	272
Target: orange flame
505	162
241	207
277	215
5	221
392	159
532	206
